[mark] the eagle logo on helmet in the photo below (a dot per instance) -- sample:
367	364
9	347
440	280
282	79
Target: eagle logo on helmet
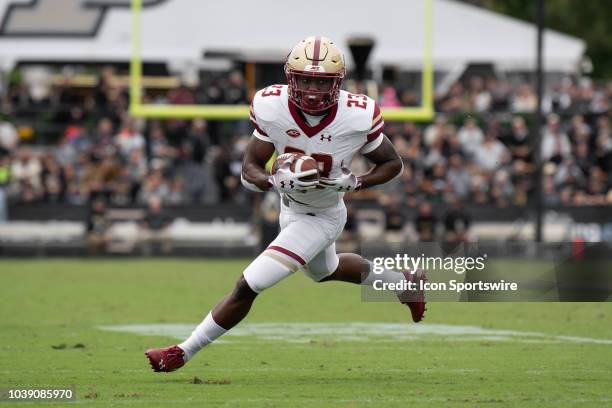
315	70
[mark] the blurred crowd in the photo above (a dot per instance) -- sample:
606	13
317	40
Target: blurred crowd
102	151
478	150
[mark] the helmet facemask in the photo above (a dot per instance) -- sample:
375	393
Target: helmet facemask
313	92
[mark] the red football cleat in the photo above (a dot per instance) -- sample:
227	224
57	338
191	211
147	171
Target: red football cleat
415	300
166	359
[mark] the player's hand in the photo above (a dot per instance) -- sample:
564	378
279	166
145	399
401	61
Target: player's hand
287	181
345	183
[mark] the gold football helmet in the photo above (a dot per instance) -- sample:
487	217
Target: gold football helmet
315	70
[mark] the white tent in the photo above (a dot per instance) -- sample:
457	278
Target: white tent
182	31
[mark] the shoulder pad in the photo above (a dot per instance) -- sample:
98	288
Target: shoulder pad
359	110
268	102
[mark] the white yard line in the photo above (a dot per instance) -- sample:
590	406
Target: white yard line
355	332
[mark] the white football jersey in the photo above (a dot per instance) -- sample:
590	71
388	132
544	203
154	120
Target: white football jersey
353	125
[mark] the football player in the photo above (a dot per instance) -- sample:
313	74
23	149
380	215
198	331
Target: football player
310	115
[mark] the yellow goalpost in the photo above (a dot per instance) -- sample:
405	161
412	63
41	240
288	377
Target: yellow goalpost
424	112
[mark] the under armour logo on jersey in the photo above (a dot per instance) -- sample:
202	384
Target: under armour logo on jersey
59	18
283	184
328	138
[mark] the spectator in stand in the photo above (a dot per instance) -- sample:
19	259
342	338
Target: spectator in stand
491	154
458	177
154	186
389	98
439	182
161	153
120	189
235	91
53	180
550	195
502	190
596	189
8	136
25	176
518	140
176	196
137	170
4	181
436	131
603	145
197	142
435	153
579	131
470	136
500	94
155	227
480	97
455	101
584	158
97	226
129	138
395	221
569	173
524	100
104	133
555	143
106	87
183	95
480	187
456	223
425	223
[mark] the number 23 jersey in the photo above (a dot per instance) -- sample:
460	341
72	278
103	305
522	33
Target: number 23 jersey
353	125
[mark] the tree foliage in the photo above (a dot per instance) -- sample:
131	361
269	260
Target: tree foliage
588	20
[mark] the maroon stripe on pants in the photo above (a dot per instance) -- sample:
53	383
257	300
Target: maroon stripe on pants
288	253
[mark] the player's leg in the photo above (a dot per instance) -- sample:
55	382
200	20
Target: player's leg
329	266
298	242
265	271
353	268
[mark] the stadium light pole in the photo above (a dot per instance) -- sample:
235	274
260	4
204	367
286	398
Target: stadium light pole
538	120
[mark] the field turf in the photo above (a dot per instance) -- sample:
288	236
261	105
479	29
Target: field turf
464	355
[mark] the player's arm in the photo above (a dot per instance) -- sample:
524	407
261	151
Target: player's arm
387	164
380	151
254	175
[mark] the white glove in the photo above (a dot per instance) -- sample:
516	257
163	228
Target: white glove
287	181
345	183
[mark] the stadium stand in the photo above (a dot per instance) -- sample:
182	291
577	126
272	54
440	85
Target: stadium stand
67	139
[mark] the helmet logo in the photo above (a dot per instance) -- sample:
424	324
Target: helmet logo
293	133
314	68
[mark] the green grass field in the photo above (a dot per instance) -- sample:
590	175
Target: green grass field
465	354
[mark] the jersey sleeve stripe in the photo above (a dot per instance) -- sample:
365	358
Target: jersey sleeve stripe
257	128
376	119
261	137
375	132
374	136
373	144
376	114
375	125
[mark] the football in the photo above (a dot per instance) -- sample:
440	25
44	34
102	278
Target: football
300	162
